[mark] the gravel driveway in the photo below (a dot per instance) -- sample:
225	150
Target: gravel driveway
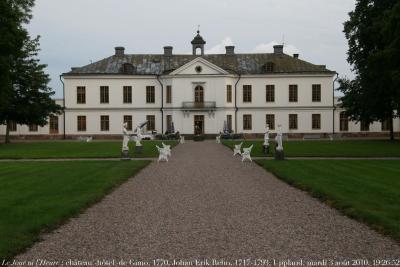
203	205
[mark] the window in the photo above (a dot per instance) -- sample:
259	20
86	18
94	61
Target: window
292	121
247	122
169	94
128	121
229	93
247	93
151	122
81	123
344	122
229	122
150	94
199	94
81	95
293	93
316	93
12	126
53	124
169	123
269	67
103	94
127	92
364	126
270	93
270	121
385	125
33	127
316	121
104	123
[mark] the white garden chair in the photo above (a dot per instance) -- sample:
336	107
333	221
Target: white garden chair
218	139
167	149
162	154
237	149
246	153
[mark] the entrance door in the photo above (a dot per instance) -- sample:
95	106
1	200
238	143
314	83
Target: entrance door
198	124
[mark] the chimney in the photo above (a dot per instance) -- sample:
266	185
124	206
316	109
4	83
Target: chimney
230	50
74	69
296	55
119	51
168	50
278	49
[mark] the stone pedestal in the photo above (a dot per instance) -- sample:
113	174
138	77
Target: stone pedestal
279	154
125	155
138	149
266	150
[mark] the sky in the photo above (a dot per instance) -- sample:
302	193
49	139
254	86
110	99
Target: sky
77	32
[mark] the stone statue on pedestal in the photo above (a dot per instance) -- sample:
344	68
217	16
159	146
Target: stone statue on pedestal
266	141
125	141
279	147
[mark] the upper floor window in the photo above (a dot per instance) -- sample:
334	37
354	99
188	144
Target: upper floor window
316	121
81	123
316	93
247	123
293	93
33	127
169	94
150	94
199	94
104	123
229	93
81	95
247	93
293	122
104	94
270	93
127	94
151	122
344	122
270	121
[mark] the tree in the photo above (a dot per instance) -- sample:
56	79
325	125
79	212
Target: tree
373	34
25	96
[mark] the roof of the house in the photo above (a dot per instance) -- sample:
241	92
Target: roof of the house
157	64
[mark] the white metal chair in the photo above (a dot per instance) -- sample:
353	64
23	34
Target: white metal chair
167	149
218	139
237	149
162	154
246	153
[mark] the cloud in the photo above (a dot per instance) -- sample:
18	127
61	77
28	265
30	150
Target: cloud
220	48
269	48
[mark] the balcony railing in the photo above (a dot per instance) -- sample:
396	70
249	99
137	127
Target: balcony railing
199	105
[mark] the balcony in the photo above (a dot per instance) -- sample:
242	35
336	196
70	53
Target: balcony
206	106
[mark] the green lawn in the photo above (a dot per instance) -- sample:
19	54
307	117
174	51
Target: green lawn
367	190
37	196
326	148
74	149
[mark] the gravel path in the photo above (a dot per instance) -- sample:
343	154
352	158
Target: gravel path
205	204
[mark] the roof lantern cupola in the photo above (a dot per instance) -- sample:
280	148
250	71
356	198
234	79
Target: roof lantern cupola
198	42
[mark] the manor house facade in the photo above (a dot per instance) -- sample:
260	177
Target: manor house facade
200	93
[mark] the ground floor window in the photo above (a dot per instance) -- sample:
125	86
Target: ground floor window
229	122
385	125
344	122
247	123
364	126
12	126
33	127
169	123
53	124
316	121
81	123
104	123
270	121
151	122
128	121
293	122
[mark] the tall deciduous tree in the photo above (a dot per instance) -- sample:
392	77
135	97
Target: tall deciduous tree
373	33
25	97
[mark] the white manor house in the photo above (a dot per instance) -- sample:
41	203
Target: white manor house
198	94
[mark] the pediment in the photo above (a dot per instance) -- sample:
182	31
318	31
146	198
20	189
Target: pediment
199	66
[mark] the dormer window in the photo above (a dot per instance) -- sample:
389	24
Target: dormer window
127	68
269	67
